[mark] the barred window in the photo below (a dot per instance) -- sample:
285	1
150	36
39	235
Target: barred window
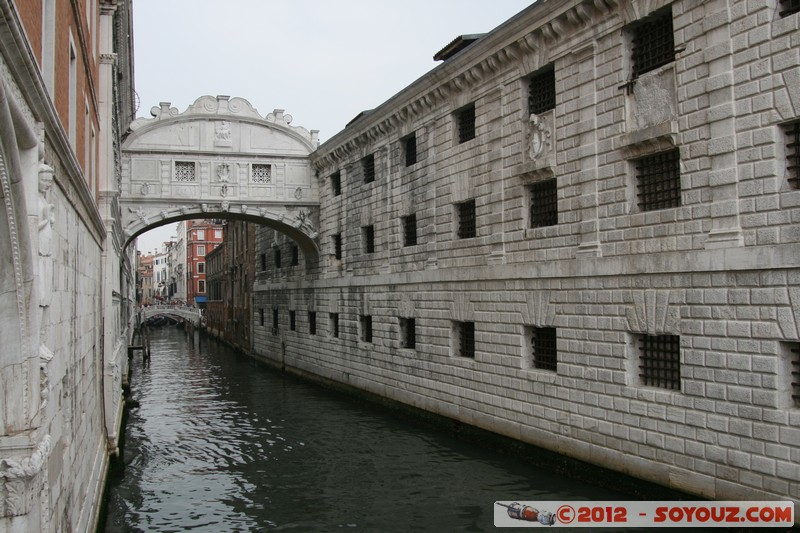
466	219
368	166
410	144
292	320
408	334
410	230
653	42
659	180
337	246
660	361
543	348
464	339
544	203
185	171
789	7
465	118
336	183
368	238
542	91
277	256
366	328
312	322
274	321
792	131
295	255
261	173
334	320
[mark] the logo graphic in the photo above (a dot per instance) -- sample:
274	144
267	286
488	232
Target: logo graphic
529	514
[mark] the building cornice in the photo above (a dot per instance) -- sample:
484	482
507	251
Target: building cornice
504	46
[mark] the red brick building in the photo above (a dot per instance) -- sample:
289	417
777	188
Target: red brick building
202	236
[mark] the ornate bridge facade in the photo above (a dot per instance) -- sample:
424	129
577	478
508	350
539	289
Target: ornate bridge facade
191	314
220	159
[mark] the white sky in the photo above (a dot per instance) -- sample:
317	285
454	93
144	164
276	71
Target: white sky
321	61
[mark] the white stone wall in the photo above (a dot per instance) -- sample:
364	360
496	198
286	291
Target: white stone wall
721	270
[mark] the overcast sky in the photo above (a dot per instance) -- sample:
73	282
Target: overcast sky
321	61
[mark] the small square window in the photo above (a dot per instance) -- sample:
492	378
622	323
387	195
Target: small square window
542	91
789	7
465	117
337	246
659	180
292	320
466	219
410	230
408	333
368	166
334	320
366	328
274	321
312	322
410	144
464	339
368	237
336	183
277	256
544	203
792	132
653	42
660	361
295	255
185	171
543	348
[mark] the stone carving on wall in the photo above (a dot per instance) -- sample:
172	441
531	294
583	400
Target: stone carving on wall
224	172
298	193
46	221
141	214
222	133
145	190
538	137
19	477
226	206
224	190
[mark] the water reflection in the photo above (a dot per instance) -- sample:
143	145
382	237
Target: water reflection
220	443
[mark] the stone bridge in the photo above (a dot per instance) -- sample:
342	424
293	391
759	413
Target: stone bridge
191	314
220	159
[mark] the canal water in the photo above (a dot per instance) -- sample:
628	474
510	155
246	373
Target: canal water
222	443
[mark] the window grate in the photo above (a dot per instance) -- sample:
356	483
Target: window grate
466	219
368	166
292	320
408	333
544	203
410	230
789	7
312	322
334	319
337	246
336	183
795	370
660	361
659	180
466	123
366	328
185	171
542	91
653	42
411	149
792	131
543	348
261	173
368	233
466	339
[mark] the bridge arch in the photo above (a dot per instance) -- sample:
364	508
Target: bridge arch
220	159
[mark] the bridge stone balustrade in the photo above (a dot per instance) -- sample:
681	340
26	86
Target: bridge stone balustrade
192	314
220	159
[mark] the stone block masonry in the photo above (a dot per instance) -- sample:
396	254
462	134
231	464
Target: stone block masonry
609	268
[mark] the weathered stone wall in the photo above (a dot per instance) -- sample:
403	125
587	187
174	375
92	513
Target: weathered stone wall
719	270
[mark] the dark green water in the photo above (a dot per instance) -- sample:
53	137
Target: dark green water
220	443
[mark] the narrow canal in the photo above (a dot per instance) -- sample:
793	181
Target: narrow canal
221	443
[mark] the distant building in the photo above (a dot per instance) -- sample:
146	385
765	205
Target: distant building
202	236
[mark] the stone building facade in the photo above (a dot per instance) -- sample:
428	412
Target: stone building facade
581	231
66	282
